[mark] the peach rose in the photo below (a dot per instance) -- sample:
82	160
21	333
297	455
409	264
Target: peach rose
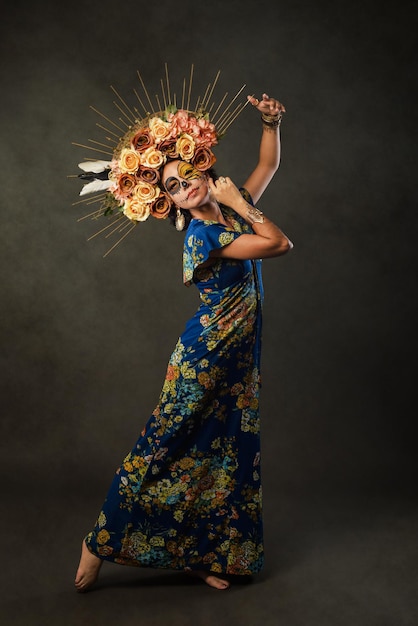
159	128
129	161
152	157
145	192
160	208
185	146
203	158
136	211
142	140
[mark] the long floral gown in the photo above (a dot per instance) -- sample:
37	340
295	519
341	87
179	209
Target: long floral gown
188	496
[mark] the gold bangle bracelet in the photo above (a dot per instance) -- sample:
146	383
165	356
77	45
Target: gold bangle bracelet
271	120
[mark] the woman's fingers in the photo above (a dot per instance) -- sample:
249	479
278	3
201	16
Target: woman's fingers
268	105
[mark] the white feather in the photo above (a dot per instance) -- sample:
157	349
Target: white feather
95	185
94	166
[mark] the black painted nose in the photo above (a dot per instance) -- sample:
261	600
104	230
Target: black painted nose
185	184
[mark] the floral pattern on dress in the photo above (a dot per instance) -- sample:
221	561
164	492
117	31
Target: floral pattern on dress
188	495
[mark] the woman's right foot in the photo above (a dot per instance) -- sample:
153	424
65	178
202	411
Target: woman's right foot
88	569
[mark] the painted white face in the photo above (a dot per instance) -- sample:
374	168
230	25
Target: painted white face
184	183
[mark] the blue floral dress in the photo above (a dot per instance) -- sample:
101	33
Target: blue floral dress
188	496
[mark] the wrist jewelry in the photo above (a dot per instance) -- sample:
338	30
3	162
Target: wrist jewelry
254	215
272	121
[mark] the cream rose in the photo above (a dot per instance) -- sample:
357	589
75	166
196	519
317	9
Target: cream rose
185	146
136	210
129	161
152	157
145	192
159	128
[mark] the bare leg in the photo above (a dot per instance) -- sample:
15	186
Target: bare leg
210	579
88	569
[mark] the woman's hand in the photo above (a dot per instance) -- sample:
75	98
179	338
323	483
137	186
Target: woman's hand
267	105
224	191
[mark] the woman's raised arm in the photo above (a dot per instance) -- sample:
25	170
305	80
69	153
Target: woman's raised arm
269	155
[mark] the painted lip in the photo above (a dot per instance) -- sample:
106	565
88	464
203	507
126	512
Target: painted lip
192	192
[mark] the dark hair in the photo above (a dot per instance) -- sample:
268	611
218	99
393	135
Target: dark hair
187	217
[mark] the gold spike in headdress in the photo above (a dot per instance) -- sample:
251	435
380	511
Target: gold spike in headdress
139	144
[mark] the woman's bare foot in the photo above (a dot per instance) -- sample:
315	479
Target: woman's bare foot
88	569
210	579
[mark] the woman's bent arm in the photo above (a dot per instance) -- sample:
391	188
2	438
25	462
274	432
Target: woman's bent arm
267	241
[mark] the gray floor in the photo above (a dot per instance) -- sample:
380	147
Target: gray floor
332	560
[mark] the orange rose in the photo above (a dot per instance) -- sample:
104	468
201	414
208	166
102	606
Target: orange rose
142	140
129	161
148	175
160	208
169	148
203	159
126	184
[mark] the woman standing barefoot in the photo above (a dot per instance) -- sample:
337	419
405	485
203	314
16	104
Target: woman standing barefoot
188	495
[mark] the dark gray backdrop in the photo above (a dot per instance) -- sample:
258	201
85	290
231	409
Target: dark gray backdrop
85	340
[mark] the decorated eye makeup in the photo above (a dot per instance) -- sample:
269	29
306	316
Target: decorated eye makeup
172	185
187	172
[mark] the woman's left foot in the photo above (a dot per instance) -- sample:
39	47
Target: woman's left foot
88	569
210	579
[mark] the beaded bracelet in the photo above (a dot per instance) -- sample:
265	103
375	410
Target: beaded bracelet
272	121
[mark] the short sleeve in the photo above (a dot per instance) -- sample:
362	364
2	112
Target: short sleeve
201	238
204	236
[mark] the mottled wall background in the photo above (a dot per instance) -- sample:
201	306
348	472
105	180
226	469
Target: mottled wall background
85	340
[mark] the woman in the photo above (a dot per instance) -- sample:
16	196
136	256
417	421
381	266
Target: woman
188	496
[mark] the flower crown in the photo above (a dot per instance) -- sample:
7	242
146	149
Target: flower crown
128	185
